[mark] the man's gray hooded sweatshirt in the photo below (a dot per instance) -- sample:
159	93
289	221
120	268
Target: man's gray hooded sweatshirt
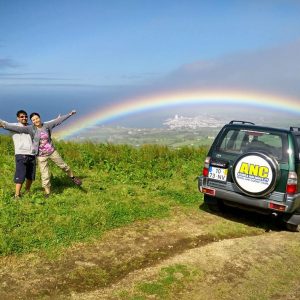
22	142
34	132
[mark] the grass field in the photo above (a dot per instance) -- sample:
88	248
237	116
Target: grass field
121	184
134	230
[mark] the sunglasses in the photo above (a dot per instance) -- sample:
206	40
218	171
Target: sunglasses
23	117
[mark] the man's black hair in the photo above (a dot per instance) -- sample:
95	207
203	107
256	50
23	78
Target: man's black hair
19	112
34	114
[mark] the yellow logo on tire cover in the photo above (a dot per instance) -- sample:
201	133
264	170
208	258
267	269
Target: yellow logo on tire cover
255	170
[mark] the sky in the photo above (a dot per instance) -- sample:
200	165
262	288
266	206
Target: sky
90	55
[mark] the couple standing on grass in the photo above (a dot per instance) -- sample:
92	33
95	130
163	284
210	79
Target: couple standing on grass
34	141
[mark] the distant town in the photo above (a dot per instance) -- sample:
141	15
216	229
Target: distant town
180	122
178	131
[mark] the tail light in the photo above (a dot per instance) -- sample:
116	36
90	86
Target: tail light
206	166
291	186
276	206
208	191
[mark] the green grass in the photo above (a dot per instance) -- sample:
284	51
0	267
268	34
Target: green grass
121	184
169	282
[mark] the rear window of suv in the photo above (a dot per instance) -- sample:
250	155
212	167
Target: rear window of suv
239	141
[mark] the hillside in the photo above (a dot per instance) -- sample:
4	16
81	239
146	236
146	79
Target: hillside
134	230
121	184
180	130
175	138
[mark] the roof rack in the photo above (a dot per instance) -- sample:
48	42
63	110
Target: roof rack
241	122
294	128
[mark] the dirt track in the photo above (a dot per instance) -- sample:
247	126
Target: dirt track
127	256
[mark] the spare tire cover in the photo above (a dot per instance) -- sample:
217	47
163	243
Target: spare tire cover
255	173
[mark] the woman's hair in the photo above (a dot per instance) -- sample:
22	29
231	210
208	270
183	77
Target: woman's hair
34	114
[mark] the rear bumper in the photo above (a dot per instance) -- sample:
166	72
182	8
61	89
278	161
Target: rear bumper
230	193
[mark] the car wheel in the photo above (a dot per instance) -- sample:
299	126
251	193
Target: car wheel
255	174
292	227
214	204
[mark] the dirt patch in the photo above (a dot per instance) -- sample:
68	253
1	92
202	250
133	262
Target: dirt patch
228	268
120	258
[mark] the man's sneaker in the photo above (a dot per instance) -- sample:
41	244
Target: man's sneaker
76	180
17	197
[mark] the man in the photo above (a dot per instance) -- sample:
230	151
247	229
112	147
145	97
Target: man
42	145
25	161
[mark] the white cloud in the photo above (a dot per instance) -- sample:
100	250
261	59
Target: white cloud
6	63
268	70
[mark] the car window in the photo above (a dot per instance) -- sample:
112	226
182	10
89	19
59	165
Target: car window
232	141
298	142
239	141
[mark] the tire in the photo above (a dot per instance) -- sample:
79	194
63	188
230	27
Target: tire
214	204
255	174
292	227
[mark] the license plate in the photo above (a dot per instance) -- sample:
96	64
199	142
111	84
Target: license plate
217	173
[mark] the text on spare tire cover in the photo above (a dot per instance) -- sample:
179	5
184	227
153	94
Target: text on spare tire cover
253	173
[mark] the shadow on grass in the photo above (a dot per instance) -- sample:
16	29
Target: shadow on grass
247	217
62	182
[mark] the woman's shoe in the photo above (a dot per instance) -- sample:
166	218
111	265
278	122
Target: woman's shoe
76	180
47	192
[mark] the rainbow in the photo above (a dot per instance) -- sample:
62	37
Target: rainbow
161	100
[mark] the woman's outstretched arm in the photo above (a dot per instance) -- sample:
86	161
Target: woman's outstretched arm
60	119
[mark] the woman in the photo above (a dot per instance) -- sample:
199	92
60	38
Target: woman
43	146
